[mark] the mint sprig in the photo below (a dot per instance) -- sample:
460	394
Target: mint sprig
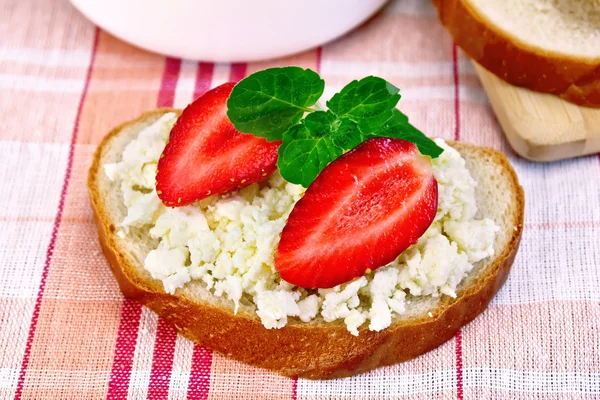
269	102
276	104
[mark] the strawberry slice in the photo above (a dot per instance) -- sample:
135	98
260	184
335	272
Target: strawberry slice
207	156
362	211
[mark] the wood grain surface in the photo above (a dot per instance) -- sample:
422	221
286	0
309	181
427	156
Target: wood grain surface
539	126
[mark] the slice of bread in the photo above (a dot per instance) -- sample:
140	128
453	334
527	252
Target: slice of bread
317	350
550	46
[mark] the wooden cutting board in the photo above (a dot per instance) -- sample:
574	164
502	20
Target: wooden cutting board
539	126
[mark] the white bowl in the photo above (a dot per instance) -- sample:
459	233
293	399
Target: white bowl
227	30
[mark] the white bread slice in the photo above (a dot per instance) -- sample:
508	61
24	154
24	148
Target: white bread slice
550	46
317	350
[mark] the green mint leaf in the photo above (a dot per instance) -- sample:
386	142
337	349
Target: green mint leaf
309	147
398	127
368	102
269	102
319	123
344	132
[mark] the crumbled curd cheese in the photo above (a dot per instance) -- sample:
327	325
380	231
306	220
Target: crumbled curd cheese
338	303
275	306
309	307
354	319
384	298
168	265
432	266
228	243
474	237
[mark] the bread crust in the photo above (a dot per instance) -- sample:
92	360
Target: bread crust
314	351
574	79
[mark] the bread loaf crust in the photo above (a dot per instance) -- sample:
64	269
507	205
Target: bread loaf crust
315	350
574	79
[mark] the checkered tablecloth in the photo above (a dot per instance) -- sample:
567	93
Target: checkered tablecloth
66	332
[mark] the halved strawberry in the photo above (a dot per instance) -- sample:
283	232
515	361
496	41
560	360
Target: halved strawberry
207	156
362	211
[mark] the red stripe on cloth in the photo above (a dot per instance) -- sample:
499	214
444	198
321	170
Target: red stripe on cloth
237	72
459	366
295	389
168	84
162	360
199	383
124	350
456	93
319	56
204	76
57	221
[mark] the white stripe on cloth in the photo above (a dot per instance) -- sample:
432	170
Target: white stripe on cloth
185	84
554	264
34	173
142	358
81	379
351	69
59	85
558	256
46	57
533	382
41	84
378	383
493	378
369	386
70	58
48	379
22	255
182	367
466	93
221	74
563	191
256	384
63	85
358	69
13	338
427	93
9	377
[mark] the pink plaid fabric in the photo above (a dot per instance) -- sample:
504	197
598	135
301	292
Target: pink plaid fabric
67	333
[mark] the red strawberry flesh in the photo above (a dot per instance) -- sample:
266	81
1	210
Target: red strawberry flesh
360	213
207	156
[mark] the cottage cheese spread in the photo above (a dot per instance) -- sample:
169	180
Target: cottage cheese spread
228	242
